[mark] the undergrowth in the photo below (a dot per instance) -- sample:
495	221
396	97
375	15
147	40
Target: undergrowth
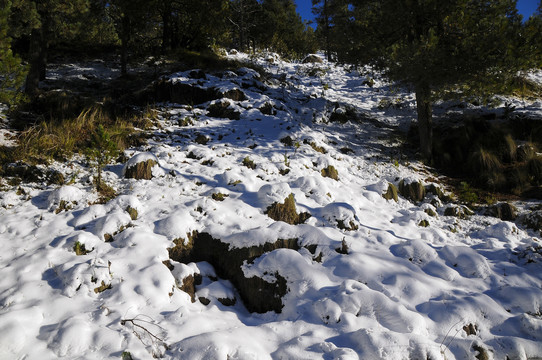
60	139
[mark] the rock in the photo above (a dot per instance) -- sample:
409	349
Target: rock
391	194
312	58
437	191
140	166
257	294
235	95
223	109
268	109
461	212
178	92
414	191
533	220
189	285
197	74
503	211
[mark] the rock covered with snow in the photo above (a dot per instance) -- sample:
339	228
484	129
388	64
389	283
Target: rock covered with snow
140	166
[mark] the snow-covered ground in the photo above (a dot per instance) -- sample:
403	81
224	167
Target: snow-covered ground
451	290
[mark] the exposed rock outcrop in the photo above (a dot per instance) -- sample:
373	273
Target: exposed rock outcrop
257	294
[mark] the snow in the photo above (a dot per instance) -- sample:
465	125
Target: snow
401	291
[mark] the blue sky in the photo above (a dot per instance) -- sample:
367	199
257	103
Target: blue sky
525	7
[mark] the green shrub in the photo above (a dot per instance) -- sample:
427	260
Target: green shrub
102	149
467	194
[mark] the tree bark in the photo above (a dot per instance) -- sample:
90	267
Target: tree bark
124	39
35	61
166	31
425	121
327	30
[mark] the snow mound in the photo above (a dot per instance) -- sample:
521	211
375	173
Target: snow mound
340	214
271	193
178	225
467	261
67	193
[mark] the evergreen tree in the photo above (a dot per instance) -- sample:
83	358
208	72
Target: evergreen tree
431	44
282	29
129	18
11	71
531	44
332	20
41	21
244	19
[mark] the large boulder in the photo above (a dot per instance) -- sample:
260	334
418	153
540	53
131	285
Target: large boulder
258	295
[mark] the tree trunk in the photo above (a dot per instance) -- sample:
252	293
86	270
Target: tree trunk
124	39
326	30
35	61
166	31
425	121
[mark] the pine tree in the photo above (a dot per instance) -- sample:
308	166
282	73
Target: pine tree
531	44
129	17
11	71
41	21
431	44
282	29
331	18
244	20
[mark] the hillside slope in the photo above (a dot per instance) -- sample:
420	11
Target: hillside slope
361	278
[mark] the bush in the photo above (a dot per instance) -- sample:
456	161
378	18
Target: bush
60	139
100	152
